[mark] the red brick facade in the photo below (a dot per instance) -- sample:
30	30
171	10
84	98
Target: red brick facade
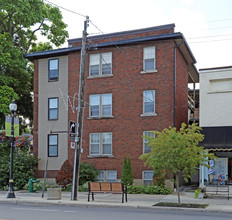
126	86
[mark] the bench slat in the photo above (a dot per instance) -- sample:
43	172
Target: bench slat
102	187
106	187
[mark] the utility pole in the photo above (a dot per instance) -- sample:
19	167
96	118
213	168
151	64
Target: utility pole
78	137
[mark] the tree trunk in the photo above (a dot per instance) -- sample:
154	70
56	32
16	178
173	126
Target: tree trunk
177	186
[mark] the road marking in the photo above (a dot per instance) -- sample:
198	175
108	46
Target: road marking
46	210
30	209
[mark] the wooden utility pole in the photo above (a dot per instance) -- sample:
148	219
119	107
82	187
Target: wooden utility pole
80	113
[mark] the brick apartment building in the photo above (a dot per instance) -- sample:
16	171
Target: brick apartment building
136	81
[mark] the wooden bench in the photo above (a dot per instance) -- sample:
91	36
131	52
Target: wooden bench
101	187
218	190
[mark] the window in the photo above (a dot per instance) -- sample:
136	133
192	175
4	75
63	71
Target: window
149	102
53	70
146	148
52	108
147	177
149	59
53	145
101	105
100	64
107	176
101	143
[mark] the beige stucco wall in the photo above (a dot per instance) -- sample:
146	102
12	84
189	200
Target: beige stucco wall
216	97
49	90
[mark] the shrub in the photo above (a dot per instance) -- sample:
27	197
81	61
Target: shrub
127	172
65	174
88	173
148	190
24	163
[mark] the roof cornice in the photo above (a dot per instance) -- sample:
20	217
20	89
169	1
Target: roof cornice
65	51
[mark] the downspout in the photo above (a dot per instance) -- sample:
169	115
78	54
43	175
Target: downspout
174	96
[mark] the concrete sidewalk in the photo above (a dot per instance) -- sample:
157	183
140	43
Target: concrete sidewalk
216	204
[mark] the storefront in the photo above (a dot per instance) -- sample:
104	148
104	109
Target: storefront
220	170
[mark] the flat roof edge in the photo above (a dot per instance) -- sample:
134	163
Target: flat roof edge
216	68
160	27
65	51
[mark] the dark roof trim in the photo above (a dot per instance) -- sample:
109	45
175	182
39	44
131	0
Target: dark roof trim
117	34
216	68
138	40
185	42
50	53
65	51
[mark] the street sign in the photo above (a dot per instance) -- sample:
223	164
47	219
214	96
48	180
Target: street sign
72	130
8	126
72	145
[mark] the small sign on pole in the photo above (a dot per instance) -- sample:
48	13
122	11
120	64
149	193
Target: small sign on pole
72	130
8	126
72	145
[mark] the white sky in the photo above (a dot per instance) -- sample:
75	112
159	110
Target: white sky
206	24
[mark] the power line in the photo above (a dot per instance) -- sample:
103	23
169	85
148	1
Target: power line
195	42
65	9
222	35
212	21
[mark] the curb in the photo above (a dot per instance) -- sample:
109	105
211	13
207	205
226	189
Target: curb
113	205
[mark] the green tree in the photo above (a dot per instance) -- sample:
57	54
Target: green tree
20	23
127	172
177	152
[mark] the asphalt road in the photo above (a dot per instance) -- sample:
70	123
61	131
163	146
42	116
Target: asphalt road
18	212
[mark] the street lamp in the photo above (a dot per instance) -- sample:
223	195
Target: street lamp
13	108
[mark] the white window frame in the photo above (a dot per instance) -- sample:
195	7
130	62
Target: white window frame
100	59
104	174
143	175
145	141
53	145
144	99
147	56
50	108
101	153
50	70
101	106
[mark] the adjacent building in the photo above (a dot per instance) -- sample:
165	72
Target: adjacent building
136	81
216	120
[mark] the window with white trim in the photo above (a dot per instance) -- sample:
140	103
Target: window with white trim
52	108
100	105
101	143
147	177
53	145
146	148
149	59
53	69
100	64
107	176
149	102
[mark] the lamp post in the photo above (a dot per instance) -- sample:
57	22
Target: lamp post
13	108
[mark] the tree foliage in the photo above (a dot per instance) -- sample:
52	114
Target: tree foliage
20	23
24	162
177	152
127	172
